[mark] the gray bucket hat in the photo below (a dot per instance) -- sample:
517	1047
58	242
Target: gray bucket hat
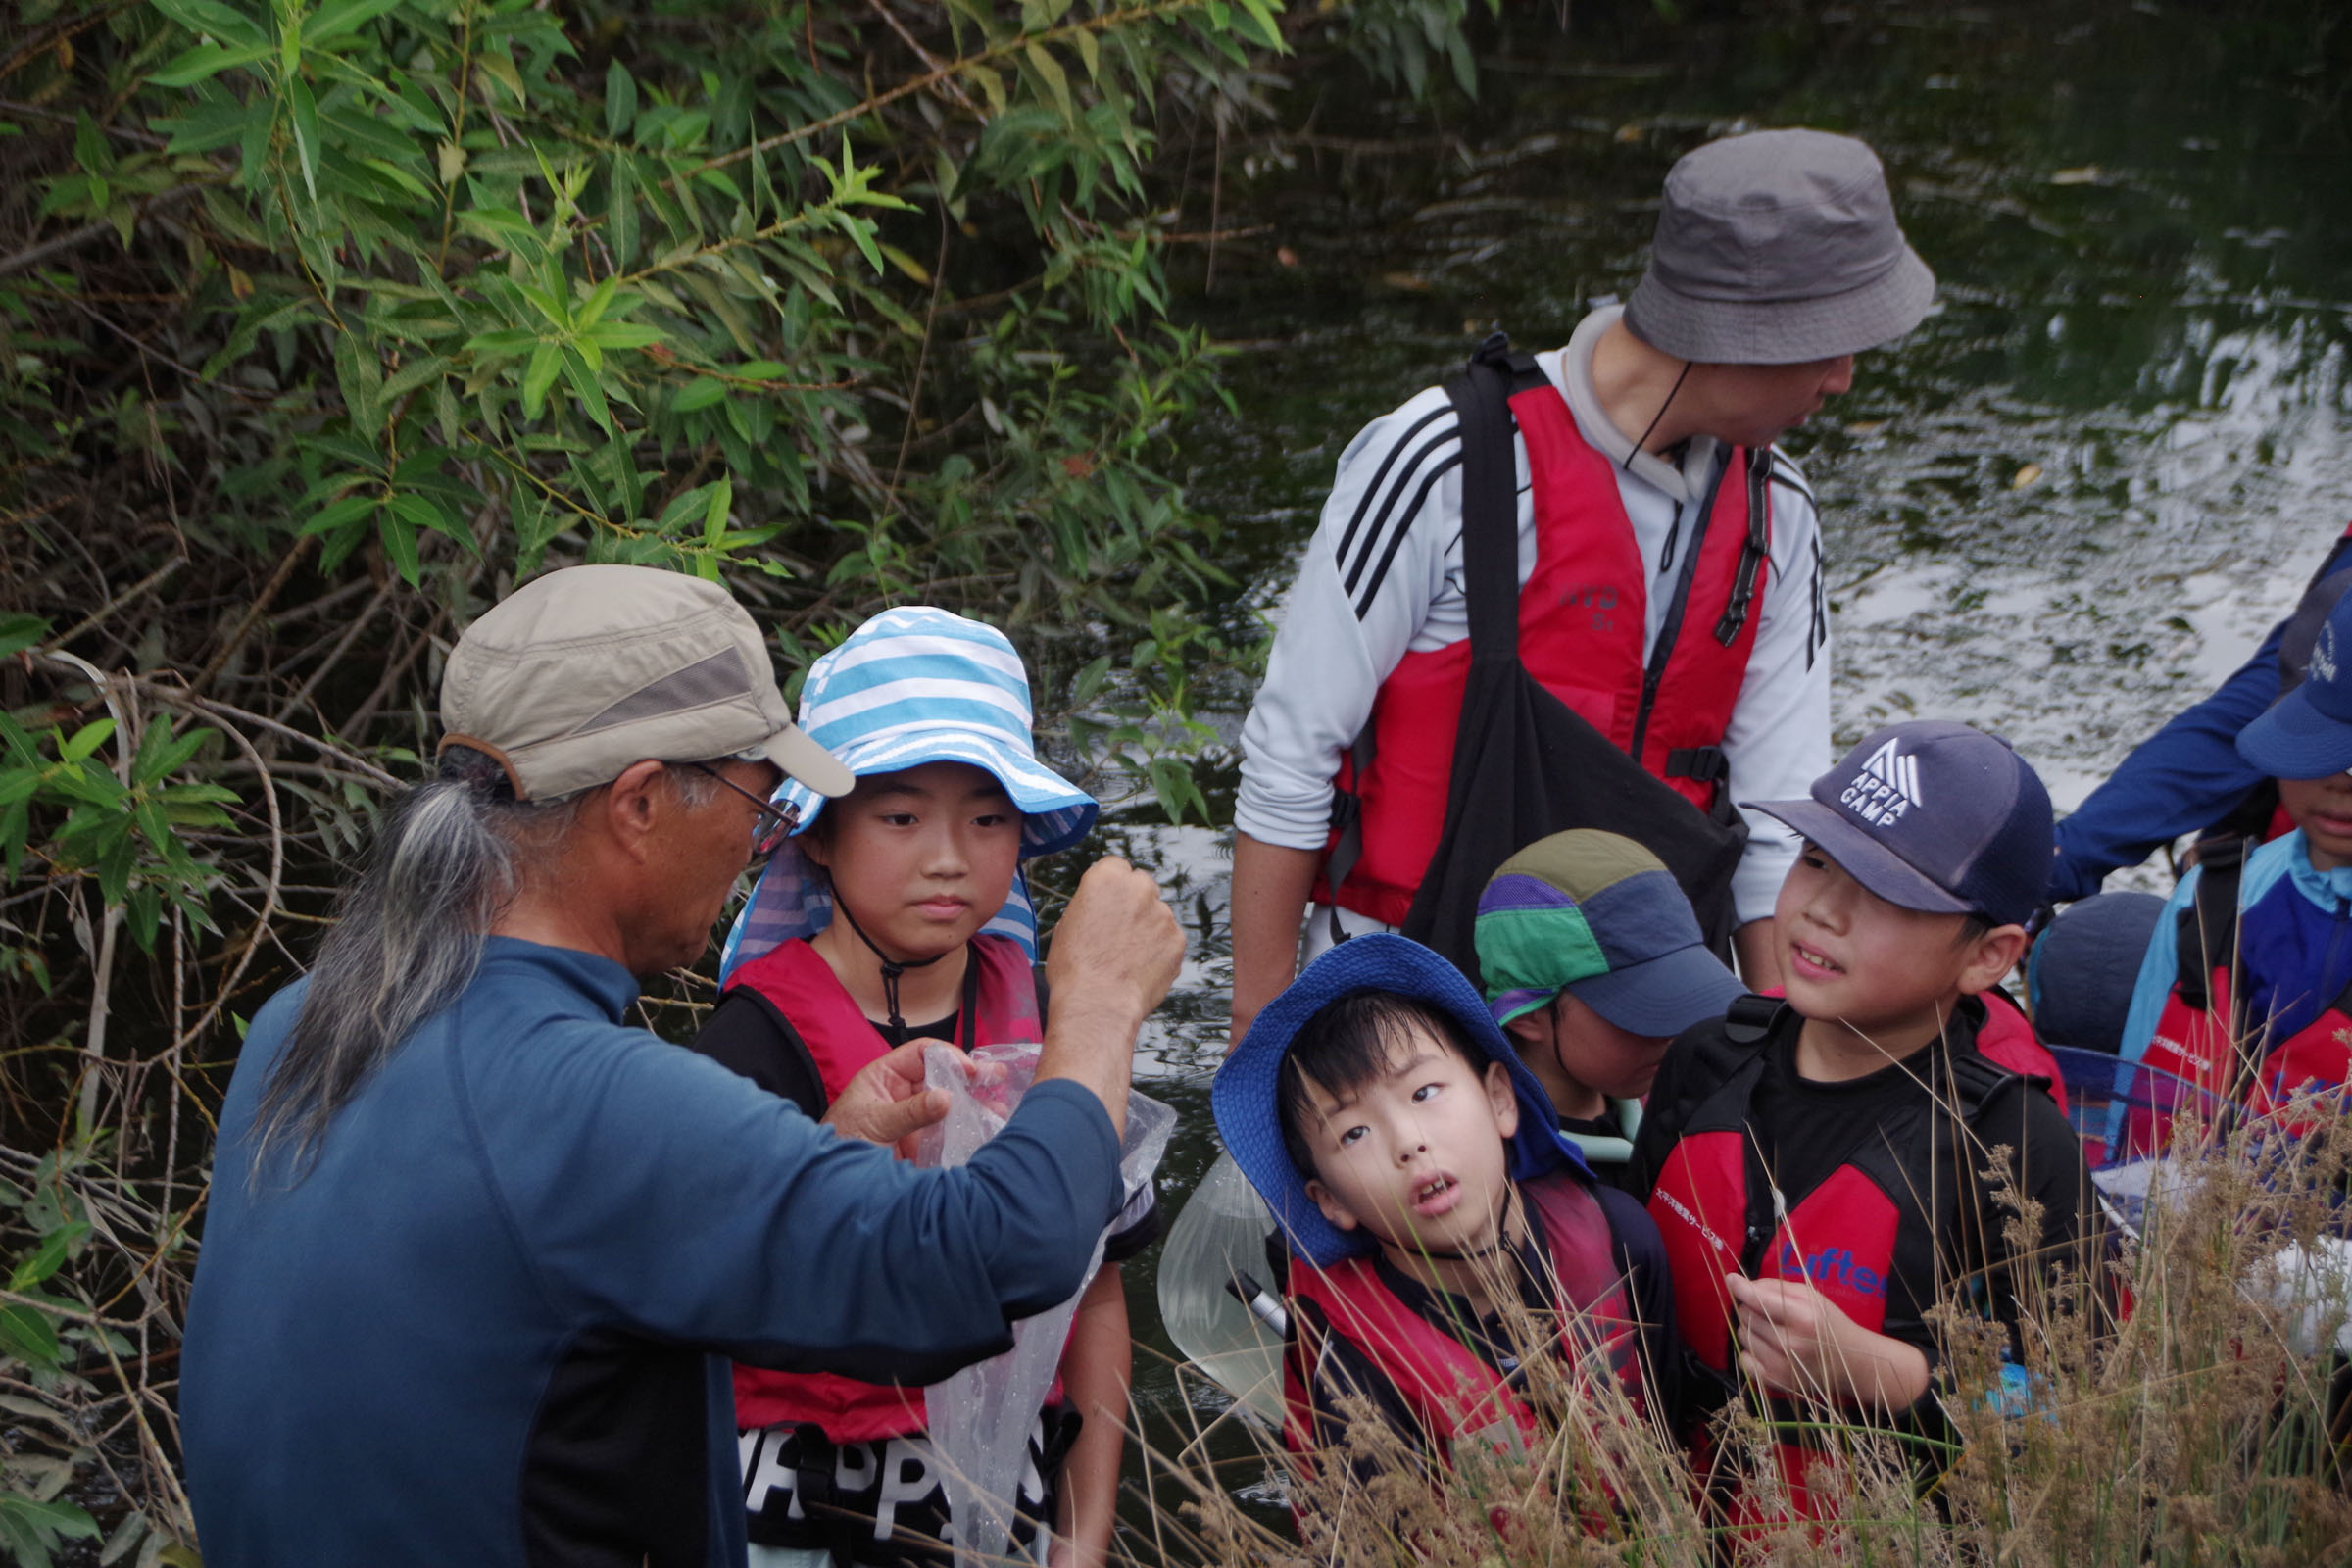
1774	248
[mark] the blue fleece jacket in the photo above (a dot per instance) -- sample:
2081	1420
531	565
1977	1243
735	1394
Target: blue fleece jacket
2184	778
489	1325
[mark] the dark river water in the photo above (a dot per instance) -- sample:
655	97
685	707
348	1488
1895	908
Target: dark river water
2062	508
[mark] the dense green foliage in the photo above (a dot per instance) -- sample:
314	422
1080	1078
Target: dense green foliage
321	324
326	324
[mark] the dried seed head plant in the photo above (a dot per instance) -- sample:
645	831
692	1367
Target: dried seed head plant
2178	1397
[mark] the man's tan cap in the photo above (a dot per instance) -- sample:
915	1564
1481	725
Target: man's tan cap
578	675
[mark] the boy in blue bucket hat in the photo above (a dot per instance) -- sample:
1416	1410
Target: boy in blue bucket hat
899	912
1416	1169
2245	989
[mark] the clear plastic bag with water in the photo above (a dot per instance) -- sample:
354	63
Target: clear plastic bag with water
980	1417
1213	1260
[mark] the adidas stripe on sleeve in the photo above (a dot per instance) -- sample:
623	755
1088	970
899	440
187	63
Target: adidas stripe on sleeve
1386	547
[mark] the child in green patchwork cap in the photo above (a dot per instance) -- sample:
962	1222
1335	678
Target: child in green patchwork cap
1593	962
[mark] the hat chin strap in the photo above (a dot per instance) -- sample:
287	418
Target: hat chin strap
891	969
1652	429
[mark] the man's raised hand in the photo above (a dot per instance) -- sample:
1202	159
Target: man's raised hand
1117	942
1115	952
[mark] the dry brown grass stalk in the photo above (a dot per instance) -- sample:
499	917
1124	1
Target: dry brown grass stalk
2195	1430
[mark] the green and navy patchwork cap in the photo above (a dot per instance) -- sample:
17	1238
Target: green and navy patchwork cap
1598	914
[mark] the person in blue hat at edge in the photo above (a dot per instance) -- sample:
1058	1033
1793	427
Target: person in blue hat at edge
2260	1007
1416	1169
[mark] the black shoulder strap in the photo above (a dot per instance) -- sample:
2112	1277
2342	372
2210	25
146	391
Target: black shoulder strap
1044	993
1749	1018
1755	552
2205	936
1728	1058
1482	401
1975	1080
1481	396
1348	823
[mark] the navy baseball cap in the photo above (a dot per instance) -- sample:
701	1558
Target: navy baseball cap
1245	1096
1933	815
2302	630
2308	732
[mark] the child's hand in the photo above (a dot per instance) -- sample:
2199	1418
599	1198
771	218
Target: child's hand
1795	1340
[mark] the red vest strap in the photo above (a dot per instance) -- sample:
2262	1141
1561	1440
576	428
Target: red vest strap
1700	1206
2008	1040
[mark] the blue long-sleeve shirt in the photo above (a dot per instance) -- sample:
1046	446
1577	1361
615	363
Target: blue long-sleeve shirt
2184	778
490	1324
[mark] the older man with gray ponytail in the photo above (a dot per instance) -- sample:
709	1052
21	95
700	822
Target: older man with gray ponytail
477	1251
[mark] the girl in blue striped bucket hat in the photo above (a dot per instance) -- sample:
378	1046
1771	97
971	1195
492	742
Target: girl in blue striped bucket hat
899	912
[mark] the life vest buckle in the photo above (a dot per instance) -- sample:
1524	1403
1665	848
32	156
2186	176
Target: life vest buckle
1749	1019
1705	763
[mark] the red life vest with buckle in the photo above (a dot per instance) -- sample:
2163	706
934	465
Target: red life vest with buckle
1582	618
1455	1394
2205	1034
841	1039
1852	1236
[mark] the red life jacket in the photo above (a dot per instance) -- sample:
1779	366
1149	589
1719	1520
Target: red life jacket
1582	614
2205	1034
841	1039
1860	1229
1455	1394
2006	1039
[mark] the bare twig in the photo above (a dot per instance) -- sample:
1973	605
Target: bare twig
254	611
92	620
74	239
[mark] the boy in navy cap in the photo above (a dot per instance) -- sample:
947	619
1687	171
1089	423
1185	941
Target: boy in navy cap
1416	1168
2246	986
1814	1164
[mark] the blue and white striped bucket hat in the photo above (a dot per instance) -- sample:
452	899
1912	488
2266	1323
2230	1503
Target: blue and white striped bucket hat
914	686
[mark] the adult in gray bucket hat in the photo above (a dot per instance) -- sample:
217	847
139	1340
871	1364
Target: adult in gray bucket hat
1673	555
477	1252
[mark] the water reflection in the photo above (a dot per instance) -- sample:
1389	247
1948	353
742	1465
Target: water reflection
2062	508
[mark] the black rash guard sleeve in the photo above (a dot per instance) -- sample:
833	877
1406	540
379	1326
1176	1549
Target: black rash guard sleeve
2045	1165
747	1035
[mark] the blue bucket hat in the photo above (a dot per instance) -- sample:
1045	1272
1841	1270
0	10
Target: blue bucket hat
1245	1096
914	686
2308	732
